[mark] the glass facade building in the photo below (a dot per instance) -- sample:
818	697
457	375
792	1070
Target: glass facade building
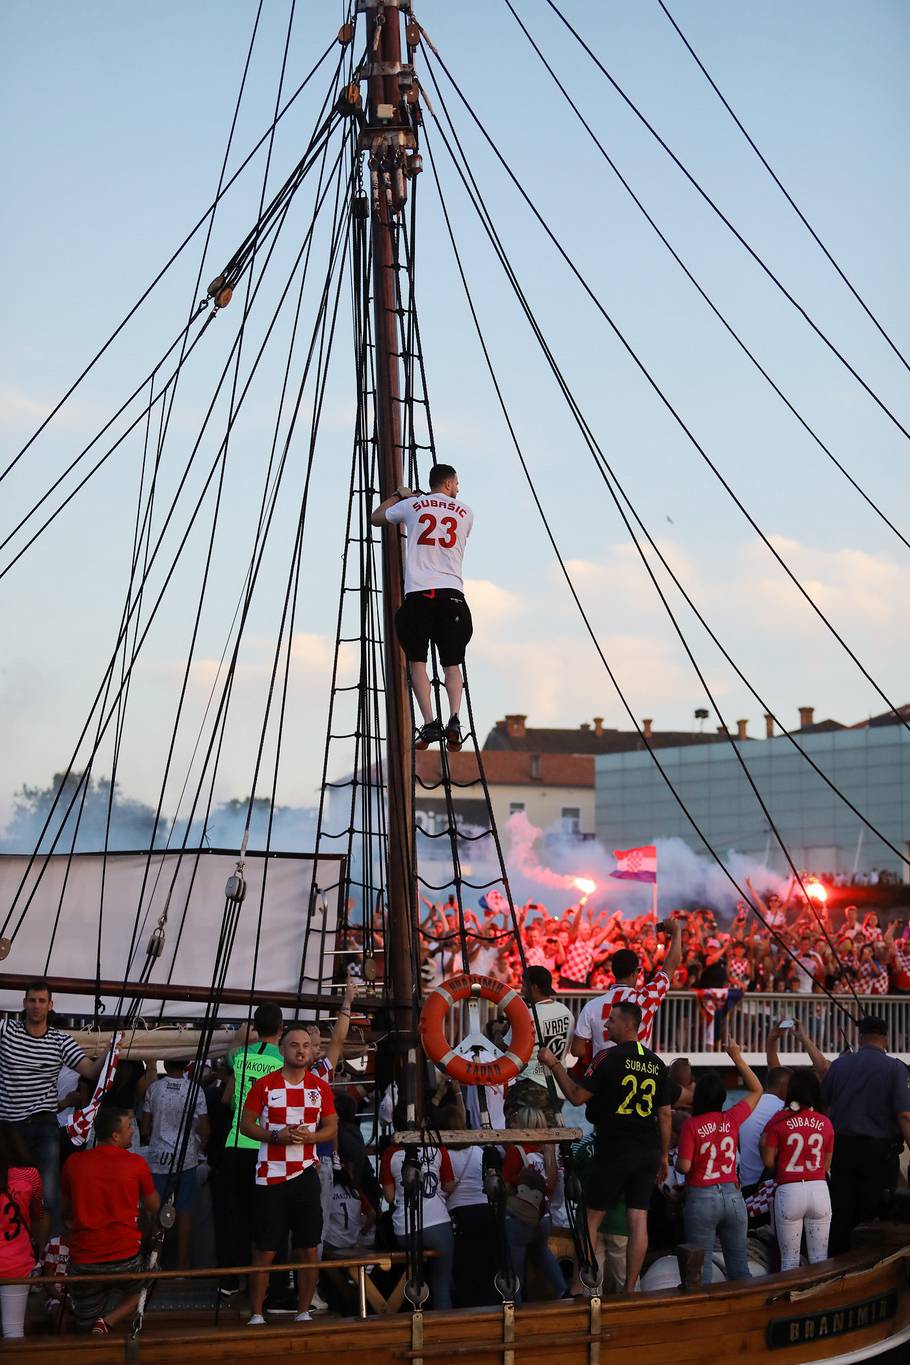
869	764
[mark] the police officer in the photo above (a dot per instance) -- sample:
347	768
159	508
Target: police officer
867	1095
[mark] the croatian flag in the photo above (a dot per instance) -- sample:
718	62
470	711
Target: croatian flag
80	1126
636	864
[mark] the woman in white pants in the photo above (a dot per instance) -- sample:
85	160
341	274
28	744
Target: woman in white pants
797	1145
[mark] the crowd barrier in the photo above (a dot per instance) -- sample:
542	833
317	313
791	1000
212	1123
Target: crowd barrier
689	1022
692	1024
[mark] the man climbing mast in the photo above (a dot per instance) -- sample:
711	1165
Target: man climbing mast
437	525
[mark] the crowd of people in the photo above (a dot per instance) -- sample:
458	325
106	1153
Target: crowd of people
844	953
273	1140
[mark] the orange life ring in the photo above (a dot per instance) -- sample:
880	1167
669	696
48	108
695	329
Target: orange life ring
468	1070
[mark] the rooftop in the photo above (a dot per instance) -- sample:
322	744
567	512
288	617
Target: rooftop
512	734
504	768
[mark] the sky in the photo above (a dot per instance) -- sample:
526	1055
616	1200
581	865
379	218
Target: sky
115	124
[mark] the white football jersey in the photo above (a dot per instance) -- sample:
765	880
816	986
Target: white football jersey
437	528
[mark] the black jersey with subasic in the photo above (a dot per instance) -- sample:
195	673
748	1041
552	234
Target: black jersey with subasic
628	1084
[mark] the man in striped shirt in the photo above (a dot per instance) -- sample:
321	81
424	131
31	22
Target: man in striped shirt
591	1026
32	1055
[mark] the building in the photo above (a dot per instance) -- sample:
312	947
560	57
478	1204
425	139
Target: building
546	773
553	790
869	762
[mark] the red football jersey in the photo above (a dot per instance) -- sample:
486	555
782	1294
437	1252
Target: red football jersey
802	1139
710	1142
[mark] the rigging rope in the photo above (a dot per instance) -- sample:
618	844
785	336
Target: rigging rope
488	225
728	224
574	592
181	546
164	269
752	357
783	189
674	413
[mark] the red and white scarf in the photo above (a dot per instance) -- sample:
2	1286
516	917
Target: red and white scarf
79	1128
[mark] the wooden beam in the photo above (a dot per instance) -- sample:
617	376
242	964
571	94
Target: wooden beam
485	1137
149	990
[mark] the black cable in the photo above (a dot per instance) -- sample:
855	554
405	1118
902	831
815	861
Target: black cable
304	252
152	403
313	156
171	570
608	474
658	390
167	265
486	221
728	224
700	289
783	189
574	592
219	726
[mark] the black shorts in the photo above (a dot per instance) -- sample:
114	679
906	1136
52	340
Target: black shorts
292	1207
442	616
625	1172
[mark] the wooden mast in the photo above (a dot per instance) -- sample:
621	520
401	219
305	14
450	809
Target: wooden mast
386	138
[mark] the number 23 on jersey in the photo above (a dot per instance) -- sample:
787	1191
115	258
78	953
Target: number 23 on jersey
640	1096
428	536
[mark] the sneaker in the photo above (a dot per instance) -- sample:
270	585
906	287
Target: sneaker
454	739
432	733
227	1291
101	1328
318	1304
303	1317
257	1320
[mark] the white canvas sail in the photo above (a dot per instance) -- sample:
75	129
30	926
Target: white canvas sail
278	946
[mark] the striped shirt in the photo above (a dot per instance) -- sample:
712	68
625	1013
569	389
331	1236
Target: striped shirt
29	1068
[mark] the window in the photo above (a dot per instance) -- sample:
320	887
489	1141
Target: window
535	767
571	820
516	807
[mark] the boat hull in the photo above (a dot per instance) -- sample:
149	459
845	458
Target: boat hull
850	1309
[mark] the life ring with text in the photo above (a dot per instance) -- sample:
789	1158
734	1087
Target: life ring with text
457	1061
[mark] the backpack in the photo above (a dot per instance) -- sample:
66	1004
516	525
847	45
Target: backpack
529	1202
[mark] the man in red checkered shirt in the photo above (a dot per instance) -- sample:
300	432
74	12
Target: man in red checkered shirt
289	1111
591	1026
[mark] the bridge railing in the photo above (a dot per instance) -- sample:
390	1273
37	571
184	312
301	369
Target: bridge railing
685	1025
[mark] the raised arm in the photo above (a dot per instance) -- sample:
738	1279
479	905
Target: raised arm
820	1063
772	1055
377	516
342	1024
674	952
758	900
748	1077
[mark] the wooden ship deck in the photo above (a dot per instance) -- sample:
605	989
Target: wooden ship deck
848	1309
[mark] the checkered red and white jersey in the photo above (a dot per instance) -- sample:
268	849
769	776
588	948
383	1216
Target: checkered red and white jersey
276	1104
871	979
592	1022
739	972
900	956
579	961
537	957
323	1068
